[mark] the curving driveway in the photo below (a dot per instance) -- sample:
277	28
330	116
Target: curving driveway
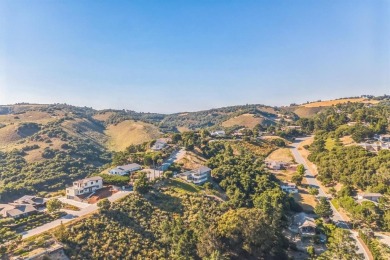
71	216
311	180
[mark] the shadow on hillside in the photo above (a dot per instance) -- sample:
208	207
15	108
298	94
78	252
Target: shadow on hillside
165	202
124	220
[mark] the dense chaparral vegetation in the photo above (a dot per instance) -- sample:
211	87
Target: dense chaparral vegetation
78	158
168	224
353	166
160	222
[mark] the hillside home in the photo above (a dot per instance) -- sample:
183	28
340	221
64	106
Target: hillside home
375	146
219	133
370	196
292	127
384	138
84	187
160	144
125	169
276	165
304	225
197	176
289	188
16	210
238	132
308	228
31	200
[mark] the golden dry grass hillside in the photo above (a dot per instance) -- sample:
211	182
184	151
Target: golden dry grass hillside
247	120
29	116
329	103
307	111
86	128
103	116
313	108
192	159
262	149
9	136
130	132
281	155
347	140
183	129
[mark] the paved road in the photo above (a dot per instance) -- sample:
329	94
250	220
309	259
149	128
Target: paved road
71	216
383	238
78	204
311	180
174	157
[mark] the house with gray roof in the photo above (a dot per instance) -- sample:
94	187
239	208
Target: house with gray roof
369	196
125	169
16	210
160	144
197	176
31	200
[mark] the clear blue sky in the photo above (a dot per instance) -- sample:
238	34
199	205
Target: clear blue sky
170	56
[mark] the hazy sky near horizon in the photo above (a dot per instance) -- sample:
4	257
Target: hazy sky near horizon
170	56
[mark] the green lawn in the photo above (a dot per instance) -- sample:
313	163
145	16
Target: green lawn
182	186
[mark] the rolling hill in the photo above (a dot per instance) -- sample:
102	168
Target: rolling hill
312	108
247	120
130	132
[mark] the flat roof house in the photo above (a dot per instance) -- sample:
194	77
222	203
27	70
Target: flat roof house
219	133
289	188
370	196
84	187
126	169
197	176
16	211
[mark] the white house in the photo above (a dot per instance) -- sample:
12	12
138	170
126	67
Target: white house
160	144
370	196
289	188
218	133
125	169
85	186
197	176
